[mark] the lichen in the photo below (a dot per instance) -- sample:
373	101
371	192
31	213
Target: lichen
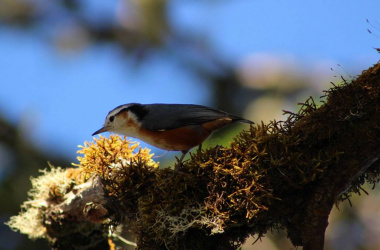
51	186
45	213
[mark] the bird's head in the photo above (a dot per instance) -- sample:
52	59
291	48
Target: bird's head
123	119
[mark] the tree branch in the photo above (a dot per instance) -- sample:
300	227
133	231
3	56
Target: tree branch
283	174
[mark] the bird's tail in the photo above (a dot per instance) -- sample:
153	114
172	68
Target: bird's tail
239	119
245	121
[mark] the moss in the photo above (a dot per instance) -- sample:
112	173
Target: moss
282	174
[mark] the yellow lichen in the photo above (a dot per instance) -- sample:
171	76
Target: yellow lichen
99	155
118	162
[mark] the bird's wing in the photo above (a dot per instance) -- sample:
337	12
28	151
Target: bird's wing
170	116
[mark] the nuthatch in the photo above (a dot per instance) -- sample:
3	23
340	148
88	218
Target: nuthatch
173	127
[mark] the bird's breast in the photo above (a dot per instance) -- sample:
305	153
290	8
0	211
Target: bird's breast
178	139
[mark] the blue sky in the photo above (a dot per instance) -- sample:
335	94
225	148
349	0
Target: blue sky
61	99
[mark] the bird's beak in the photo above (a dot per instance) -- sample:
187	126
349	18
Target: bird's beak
103	129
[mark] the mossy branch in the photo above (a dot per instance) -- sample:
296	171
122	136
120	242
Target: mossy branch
278	175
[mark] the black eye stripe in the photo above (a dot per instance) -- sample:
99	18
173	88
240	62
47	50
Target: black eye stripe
138	110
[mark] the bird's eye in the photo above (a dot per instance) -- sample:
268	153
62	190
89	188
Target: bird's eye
112	118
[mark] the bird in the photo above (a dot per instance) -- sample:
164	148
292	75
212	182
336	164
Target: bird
172	127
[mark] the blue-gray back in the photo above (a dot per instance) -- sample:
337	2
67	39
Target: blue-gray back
170	116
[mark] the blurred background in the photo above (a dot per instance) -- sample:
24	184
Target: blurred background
65	64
